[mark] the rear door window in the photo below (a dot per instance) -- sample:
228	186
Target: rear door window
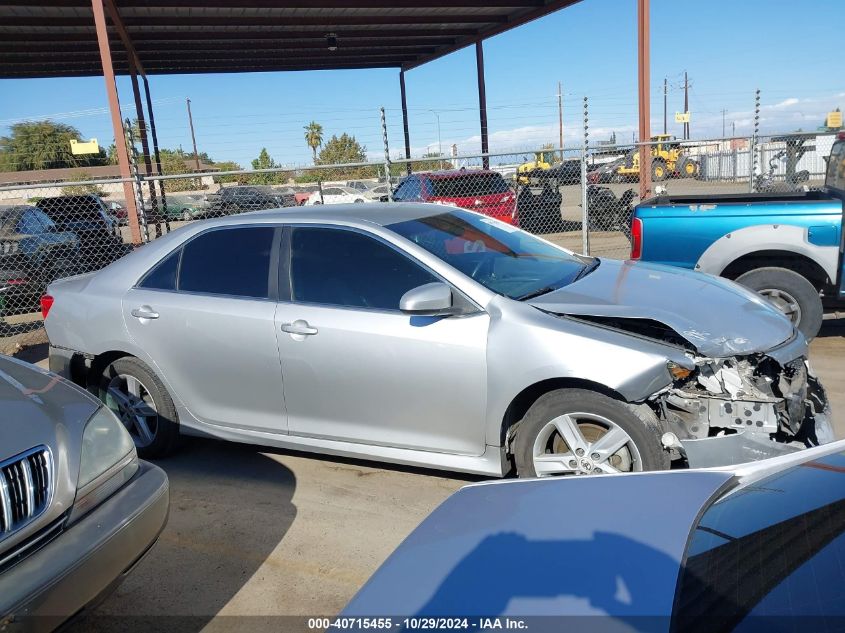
163	274
233	262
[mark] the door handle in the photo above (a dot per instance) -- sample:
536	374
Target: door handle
144	312
299	327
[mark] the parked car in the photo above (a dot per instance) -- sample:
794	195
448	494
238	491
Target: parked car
477	190
32	254
118	212
438	337
239	199
753	548
86	216
785	246
78	509
335	195
377	193
186	207
360	185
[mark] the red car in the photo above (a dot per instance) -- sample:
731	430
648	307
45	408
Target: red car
477	190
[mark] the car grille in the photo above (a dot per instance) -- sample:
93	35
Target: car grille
25	488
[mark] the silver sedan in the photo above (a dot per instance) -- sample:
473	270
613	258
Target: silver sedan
431	336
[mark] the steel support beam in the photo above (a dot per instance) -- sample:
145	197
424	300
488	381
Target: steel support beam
405	119
142	130
116	121
644	89
482	101
153	133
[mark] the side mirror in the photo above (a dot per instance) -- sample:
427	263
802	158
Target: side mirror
434	299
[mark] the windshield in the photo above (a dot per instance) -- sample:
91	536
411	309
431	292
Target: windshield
502	258
775	548
468	185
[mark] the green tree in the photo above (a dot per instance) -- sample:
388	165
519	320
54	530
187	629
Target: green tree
230	165
314	137
265	161
344	149
173	163
44	145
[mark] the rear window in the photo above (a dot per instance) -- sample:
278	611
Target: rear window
233	262
468	185
836	167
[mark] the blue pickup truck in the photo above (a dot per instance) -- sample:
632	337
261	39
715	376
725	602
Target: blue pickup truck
788	247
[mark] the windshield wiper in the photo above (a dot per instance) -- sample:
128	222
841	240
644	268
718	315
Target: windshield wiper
587	269
537	293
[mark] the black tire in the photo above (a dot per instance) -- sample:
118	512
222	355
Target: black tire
659	171
166	432
638	422
794	285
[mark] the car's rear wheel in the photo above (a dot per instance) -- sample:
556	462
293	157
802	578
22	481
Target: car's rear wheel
580	432
791	293
139	399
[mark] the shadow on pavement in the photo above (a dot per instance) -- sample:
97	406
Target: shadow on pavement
230	507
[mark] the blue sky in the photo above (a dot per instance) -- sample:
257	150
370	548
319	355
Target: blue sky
729	48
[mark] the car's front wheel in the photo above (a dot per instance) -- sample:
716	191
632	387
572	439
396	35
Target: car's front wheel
139	399
581	432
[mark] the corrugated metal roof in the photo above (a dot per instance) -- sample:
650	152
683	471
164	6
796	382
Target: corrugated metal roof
56	38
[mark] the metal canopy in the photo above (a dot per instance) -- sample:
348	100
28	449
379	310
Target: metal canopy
57	38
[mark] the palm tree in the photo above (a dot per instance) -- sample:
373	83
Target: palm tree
314	137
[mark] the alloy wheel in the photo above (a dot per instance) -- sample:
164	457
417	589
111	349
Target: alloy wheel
133	404
584	444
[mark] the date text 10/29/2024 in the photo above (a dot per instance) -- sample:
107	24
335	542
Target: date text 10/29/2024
417	623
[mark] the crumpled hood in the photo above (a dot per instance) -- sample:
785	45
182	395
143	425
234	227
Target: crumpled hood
717	316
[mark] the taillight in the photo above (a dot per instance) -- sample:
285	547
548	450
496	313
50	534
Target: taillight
636	238
17	281
46	304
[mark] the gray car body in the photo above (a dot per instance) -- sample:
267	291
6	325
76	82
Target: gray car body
372	383
516	549
89	554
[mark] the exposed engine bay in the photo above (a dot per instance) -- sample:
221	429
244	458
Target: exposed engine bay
744	394
746	401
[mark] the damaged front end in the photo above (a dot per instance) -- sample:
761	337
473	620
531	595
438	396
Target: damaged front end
745	408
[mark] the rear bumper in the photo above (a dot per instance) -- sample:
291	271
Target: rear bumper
88	559
67	364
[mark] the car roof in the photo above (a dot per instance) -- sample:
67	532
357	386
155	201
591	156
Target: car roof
446	174
378	213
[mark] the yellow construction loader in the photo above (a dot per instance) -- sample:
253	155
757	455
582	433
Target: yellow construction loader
668	159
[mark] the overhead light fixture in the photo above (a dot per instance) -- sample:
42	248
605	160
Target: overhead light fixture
331	41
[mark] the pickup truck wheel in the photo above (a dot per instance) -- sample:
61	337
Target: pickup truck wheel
791	293
141	402
581	432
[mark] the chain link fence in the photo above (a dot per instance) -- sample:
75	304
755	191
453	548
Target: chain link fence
581	199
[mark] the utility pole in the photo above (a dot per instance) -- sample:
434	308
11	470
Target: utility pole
733	129
665	103
724	112
193	138
686	104
560	117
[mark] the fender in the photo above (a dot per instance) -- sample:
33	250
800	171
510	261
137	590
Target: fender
766	237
